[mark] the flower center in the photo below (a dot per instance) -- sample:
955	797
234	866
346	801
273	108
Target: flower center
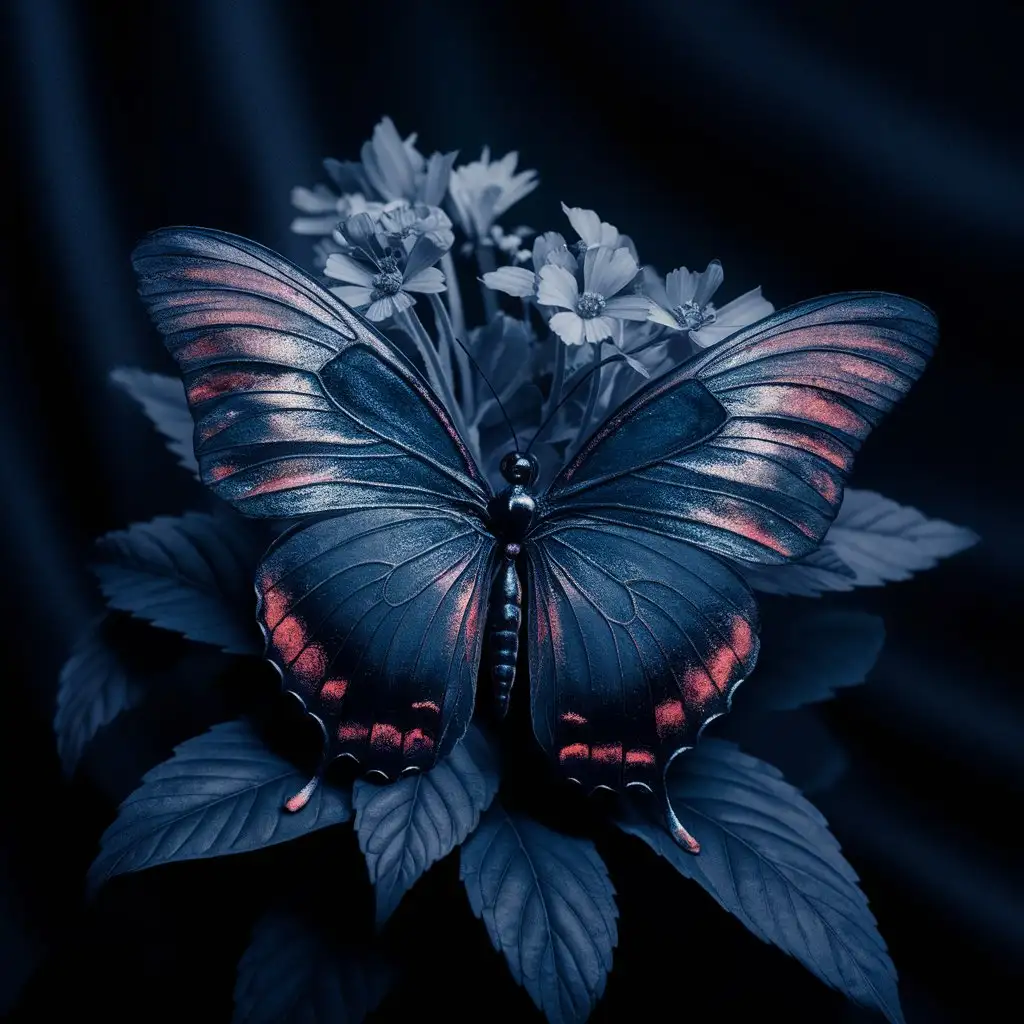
589	305
386	283
579	249
692	317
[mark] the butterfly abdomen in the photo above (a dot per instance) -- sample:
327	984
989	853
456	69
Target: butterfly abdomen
503	627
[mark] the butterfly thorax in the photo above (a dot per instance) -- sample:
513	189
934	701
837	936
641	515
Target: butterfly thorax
512	511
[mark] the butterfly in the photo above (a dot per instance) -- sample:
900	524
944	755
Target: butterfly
402	565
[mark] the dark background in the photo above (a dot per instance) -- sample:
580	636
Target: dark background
836	146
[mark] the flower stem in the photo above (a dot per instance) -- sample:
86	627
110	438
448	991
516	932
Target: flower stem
557	378
485	260
446	330
454	295
595	390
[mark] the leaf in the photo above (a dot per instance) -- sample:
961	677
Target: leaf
221	793
93	690
163	400
406	826
768	857
291	974
548	906
806	658
873	541
192	575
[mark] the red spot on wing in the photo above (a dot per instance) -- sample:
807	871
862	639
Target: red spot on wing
385	737
574	752
640	758
722	666
352	732
310	665
417	742
220	470
288	476
289	638
698	687
333	690
733	517
778	441
606	753
571	718
825	484
426	705
669	717
215	385
742	638
275	603
804	403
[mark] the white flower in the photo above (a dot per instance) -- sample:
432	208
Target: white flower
483	190
327	209
593	232
396	169
406	220
683	302
521	283
591	315
380	283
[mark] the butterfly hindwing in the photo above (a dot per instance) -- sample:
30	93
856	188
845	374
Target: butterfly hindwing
639	629
372	607
300	406
635	642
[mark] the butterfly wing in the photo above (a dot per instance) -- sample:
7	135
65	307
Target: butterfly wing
302	409
740	454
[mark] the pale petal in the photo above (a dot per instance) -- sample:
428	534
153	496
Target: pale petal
747	309
628	307
586	224
557	287
708	283
681	286
425	252
429	281
353	295
654	287
344	268
544	245
517	281
402	301
315	225
381	309
314	200
660	315
389	163
607	271
598	328
568	326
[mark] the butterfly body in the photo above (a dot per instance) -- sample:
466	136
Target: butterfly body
402	564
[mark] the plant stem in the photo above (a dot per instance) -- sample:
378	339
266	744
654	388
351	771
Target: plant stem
448	335
454	296
595	390
557	378
485	260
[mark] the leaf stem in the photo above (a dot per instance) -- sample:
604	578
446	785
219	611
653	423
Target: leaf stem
485	260
453	295
446	330
595	390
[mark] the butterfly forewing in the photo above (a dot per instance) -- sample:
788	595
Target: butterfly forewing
373	610
639	630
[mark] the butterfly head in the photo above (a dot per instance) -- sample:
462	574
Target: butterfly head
521	469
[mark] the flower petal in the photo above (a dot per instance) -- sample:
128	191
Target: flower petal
628	307
568	326
598	328
429	281
654	287
438	173
544	245
708	283
314	200
381	309
607	271
660	315
680	286
747	309
590	227
353	295
314	225
388	163
516	281
557	287
344	268
425	252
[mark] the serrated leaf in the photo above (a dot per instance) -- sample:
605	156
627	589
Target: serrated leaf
873	541
805	658
163	400
191	574
291	974
768	857
221	793
406	826
548	905
92	691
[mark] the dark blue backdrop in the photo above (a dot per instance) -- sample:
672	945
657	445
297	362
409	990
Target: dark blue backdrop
837	146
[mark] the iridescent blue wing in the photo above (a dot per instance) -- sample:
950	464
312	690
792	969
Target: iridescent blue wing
370	611
740	454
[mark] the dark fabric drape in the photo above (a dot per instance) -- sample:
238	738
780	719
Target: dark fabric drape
812	148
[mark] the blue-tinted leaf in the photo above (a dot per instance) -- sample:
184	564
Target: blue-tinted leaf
93	690
291	974
221	793
805	658
163	400
406	826
768	857
193	575
548	906
873	541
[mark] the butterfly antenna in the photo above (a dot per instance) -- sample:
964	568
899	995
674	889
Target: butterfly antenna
490	387
584	377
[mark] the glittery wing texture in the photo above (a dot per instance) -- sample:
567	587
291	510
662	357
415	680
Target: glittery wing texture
300	405
636	641
745	449
375	618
